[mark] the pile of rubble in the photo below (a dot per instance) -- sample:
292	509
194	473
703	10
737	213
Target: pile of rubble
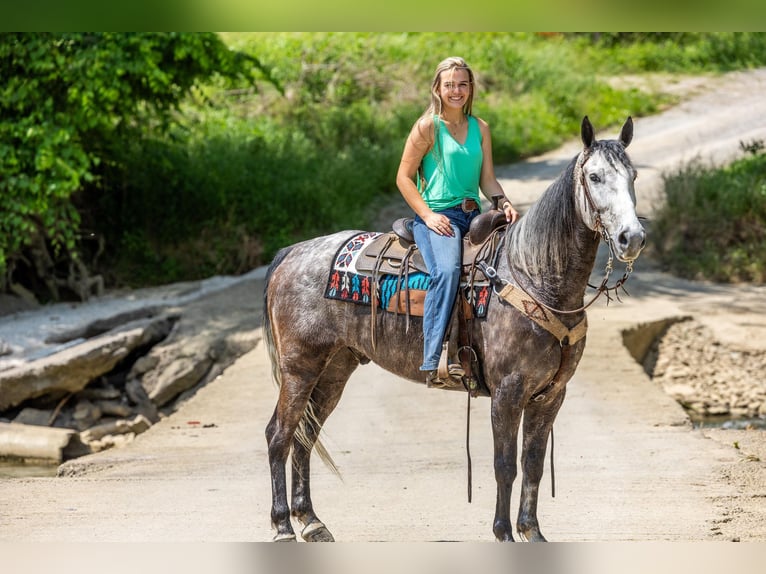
100	382
706	376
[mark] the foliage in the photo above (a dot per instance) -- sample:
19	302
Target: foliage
687	52
186	155
67	103
713	224
247	189
263	169
533	90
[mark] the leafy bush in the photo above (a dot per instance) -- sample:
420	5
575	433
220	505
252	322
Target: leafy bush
247	187
713	224
162	157
67	102
687	52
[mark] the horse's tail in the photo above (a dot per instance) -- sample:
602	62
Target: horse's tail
309	417
268	330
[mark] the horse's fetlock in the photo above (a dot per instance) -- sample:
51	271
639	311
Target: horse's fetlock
503	531
303	512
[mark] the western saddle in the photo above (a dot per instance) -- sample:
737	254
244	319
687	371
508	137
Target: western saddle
395	253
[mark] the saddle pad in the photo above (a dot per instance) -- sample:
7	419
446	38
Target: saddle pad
346	283
390	285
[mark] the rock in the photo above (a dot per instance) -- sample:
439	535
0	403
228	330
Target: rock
86	414
684	393
101	326
185	346
175	375
41	443
114	408
210	335
30	416
136	426
142	402
144	364
74	367
111	441
706	375
108	393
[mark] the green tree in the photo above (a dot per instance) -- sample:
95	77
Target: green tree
66	102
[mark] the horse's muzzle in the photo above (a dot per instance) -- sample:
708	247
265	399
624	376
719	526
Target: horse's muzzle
630	242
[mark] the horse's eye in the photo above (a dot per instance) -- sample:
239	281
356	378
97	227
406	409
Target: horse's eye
594	178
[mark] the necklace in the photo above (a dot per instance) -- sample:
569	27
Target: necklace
455	127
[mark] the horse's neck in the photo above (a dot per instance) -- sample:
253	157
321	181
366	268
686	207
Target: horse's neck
565	255
579	268
565	289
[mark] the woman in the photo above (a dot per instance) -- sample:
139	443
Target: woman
449	152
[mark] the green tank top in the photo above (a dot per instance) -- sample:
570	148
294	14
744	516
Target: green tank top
451	170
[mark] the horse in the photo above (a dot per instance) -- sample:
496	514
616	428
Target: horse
546	257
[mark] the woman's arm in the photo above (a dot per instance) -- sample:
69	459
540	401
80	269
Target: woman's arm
418	144
488	180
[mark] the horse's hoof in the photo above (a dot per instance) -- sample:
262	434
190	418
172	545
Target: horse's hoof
316	532
533	535
284	537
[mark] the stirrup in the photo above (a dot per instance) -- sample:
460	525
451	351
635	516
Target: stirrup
452	380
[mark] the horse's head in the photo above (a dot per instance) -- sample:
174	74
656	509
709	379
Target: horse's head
606	200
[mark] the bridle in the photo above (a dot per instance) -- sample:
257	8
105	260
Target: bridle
604	287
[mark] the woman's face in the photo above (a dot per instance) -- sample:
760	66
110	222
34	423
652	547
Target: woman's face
454	88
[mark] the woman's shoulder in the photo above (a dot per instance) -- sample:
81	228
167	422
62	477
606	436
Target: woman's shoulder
426	122
482	124
424	128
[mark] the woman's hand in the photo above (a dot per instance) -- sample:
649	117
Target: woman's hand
439	223
511	215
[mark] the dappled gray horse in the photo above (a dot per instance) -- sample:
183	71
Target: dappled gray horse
529	343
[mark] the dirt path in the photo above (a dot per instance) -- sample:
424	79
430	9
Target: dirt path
629	466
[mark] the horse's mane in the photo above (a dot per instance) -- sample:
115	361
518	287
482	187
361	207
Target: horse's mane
540	242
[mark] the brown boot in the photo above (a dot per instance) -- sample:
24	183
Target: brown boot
453	380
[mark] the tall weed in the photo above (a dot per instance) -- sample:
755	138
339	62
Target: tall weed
713	223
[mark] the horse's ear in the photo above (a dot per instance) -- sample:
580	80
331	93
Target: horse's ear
626	134
586	132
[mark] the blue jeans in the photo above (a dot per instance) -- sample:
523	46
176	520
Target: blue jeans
442	256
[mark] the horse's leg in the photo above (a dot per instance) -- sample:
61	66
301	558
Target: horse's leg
324	399
505	414
294	392
538	421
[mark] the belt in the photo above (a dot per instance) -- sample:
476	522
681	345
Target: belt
469	205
